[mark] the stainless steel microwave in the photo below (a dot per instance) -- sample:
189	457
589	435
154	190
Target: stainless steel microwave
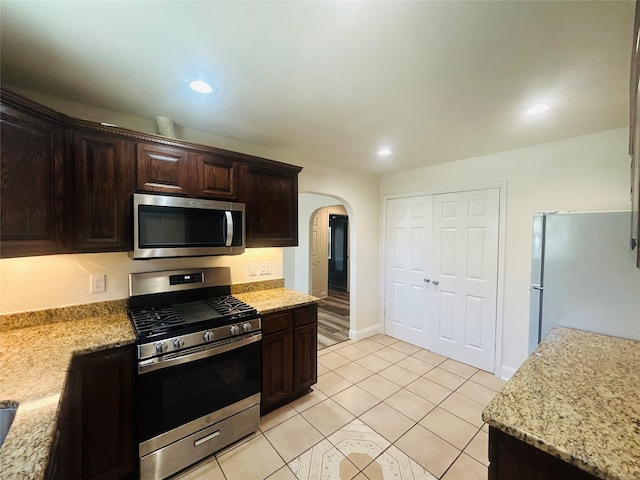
165	227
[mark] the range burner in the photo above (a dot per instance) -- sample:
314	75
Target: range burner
177	310
229	305
154	320
207	313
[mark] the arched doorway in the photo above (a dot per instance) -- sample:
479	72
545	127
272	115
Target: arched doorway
329	267
306	267
329	250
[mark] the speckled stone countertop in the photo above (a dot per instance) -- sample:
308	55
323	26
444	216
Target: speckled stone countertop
36	350
35	361
276	299
577	397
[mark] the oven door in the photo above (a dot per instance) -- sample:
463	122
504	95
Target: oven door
184	393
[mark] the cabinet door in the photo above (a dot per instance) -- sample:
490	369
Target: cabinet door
162	169
271	198
102	429
305	351
305	347
33	180
276	371
60	464
104	184
512	458
214	176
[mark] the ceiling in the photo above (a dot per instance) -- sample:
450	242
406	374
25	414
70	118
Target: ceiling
331	82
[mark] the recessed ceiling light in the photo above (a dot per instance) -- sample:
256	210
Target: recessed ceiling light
385	151
539	108
201	86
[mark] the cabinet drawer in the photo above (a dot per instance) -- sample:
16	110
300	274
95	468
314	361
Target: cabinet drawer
305	316
276	322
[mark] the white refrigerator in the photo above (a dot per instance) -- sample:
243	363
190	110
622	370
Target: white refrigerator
583	275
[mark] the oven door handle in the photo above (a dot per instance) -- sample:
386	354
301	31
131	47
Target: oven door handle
157	363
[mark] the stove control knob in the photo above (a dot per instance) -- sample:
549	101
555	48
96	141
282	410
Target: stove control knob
208	336
161	347
178	343
235	329
246	327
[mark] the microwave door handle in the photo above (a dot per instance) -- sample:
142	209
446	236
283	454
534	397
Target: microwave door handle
229	222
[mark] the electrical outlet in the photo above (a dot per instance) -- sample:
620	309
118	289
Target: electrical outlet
98	283
253	269
265	268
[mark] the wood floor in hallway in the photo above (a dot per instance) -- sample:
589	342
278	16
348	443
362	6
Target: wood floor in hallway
333	318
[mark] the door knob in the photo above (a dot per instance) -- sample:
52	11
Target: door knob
426	280
436	282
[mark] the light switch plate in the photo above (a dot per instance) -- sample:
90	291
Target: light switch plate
253	269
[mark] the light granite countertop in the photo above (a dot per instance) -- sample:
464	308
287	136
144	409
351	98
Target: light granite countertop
36	349
577	397
276	299
35	362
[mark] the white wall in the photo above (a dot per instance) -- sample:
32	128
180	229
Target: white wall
321	186
48	281
308	204
586	173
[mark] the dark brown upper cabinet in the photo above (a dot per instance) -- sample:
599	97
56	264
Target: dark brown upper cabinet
103	186
67	183
215	176
34	181
271	198
175	170
162	169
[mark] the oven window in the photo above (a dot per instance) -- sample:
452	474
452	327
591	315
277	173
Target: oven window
173	396
162	227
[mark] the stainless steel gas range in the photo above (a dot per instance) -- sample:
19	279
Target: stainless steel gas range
199	366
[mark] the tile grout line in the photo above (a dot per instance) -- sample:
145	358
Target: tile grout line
466	379
413	423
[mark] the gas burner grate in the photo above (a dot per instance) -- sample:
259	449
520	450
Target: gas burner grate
229	305
161	320
154	320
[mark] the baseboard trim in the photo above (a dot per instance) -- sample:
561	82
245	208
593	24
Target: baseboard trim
357	335
507	372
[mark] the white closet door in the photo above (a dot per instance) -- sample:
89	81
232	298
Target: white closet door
408	243
464	280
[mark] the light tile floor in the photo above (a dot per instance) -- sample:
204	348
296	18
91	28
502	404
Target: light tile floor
382	409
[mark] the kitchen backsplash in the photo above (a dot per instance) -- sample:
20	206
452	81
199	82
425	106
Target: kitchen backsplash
100	309
54	281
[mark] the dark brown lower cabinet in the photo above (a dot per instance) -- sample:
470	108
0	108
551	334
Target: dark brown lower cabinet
510	458
96	426
289	355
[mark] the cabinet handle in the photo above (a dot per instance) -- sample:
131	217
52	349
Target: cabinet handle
436	282
426	280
